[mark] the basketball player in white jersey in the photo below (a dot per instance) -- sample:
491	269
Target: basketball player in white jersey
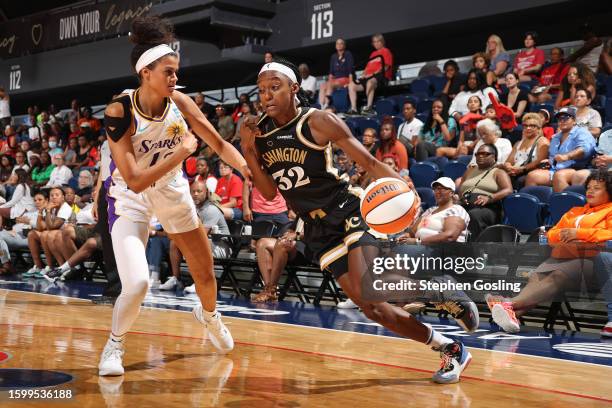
148	138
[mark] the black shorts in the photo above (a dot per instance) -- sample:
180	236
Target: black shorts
330	238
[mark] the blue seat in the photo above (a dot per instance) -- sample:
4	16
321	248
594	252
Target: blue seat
465	159
542	193
424	105
397	121
74	182
339	99
422	116
411	162
608	82
579	189
420	85
454	169
428	199
548	106
363	123
353	125
437	82
440	161
608	111
423	174
523	212
560	203
385	107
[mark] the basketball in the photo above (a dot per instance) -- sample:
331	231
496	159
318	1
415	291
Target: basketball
389	206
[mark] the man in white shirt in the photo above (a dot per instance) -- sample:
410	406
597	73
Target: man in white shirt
61	174
309	83
410	128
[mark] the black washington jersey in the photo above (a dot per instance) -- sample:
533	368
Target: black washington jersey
303	170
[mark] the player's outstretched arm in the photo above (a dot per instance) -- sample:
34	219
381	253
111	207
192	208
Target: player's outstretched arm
207	132
120	143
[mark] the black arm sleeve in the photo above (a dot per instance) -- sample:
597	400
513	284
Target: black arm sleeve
117	126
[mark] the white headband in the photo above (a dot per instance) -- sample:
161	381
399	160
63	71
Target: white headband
152	54
283	69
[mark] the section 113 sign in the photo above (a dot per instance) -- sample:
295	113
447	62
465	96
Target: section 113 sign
322	21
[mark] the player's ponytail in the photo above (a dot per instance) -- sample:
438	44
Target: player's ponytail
301	95
148	32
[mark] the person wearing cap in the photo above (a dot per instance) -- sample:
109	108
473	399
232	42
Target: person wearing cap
570	150
445	222
601	160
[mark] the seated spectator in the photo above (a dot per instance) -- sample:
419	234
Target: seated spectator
70	154
529	62
369	140
230	189
490	133
309	83
360	177
590	52
85	154
21	201
341	65
489	113
42	172
468	134
528	152
391	161
25	147
224	123
5	111
578	75
85	186
47	234
586	116
602	159
515	98
344	164
20	162
475	85
454	81
206	108
237	113
445	222
410	129
480	61
570	150
61	174
438	130
500	60
6	169
376	74
54	145
245	109
547	130
213	221
566	269
550	79
204	174
75	131
605	63
70	199
89	121
390	145
482	190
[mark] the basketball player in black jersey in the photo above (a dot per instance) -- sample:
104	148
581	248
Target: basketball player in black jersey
290	148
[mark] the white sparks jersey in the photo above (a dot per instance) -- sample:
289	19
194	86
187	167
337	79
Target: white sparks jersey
155	138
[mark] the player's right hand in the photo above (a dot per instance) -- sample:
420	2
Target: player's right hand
189	143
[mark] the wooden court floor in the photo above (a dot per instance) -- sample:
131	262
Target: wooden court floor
169	364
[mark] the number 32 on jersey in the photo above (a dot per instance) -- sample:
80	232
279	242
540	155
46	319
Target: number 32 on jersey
295	178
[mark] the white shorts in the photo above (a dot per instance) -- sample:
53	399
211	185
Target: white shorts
169	200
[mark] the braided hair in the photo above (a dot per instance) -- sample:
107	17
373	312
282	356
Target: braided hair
301	95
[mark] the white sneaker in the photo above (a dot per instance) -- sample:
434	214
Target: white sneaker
347	304
111	360
218	334
190	289
170	284
154	284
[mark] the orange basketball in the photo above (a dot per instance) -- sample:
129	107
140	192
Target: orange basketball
389	206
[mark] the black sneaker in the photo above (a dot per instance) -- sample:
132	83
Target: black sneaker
458	304
368	111
72	274
352	112
53	275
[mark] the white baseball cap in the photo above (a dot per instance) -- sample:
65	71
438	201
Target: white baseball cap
445	182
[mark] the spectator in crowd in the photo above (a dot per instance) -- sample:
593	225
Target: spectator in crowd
21	201
410	128
475	85
54	145
550	78
341	65
245	109
87	118
482	190
230	189
369	140
5	109
10	145
527	153
585	115
309	83
6	168
391	161
602	159
224	123
344	164
206	108
454	81
468	134
547	130
42	172
70	154
489	113
86	154
205	175
237	113
70	199
268	57
568	268
58	130
47	235
75	131
578	75
25	147
605	63
390	145
490	133
213	221
73	115
377	73
529	62
481	62
515	98
438	130
571	149
500	59
85	184
20	162
444	222
590	52
61	174
360	177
